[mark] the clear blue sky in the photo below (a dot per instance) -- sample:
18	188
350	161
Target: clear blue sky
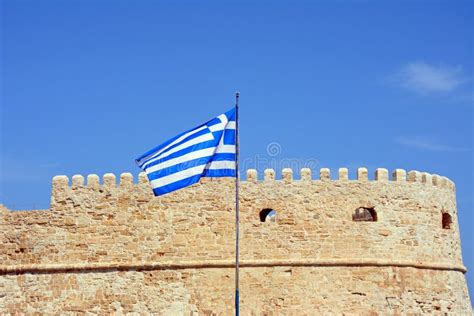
87	86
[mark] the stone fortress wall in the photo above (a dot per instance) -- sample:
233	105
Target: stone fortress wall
115	248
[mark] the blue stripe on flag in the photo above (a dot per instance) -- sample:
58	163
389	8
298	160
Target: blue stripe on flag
177	168
213	122
189	164
192	148
223	157
216	173
176	185
229	137
217	135
230	115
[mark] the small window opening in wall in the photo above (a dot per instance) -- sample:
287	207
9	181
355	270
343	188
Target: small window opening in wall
364	214
446	221
268	215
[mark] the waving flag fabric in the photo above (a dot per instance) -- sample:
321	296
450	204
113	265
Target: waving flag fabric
205	151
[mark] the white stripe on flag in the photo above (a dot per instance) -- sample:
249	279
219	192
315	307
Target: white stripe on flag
225	149
189	156
230	125
194	141
222	164
180	175
219	126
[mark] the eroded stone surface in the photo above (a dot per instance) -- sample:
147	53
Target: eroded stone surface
123	224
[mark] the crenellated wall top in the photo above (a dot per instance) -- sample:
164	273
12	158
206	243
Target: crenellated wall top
126	180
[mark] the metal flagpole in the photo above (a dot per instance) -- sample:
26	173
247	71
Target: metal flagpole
237	153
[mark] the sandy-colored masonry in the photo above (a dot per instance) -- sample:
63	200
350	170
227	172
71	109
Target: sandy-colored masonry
114	248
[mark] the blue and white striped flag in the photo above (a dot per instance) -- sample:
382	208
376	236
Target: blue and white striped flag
205	151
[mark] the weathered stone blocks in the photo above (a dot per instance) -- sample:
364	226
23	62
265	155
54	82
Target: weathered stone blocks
114	248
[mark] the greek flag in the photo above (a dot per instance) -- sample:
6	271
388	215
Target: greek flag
205	151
